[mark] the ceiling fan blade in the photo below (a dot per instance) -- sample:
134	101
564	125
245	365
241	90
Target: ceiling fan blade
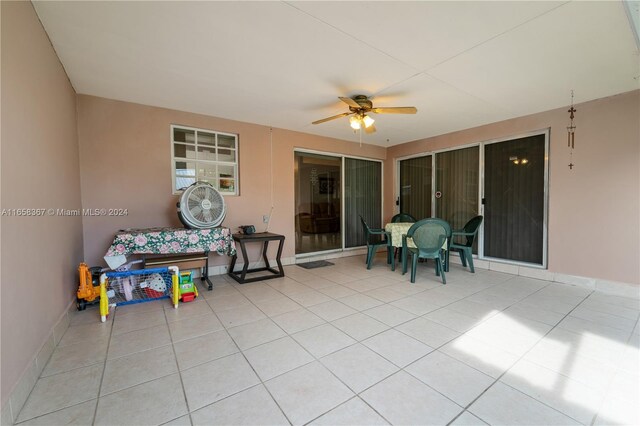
350	102
344	114
370	129
395	110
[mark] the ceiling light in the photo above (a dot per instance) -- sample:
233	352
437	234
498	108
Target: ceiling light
524	161
368	121
355	122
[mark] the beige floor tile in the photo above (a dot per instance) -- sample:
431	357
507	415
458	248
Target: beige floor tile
157	402
385	294
309	297
467	419
138	321
92	332
81	414
241	315
397	347
502	404
337	291
140	367
403	399
210	382
138	341
274	358
204	348
415	306
389	315
61	391
360	326
452	319
618	412
352	412
332	310
188	310
227	302
452	378
323	340
278	306
358	367
253	406
193	327
256	333
572	398
258	291
180	421
307	392
74	356
479	355
428	332
299	320
360	302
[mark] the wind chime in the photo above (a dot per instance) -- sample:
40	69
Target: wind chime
571	133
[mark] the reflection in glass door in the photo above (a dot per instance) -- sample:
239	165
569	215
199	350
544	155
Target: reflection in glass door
318	198
415	186
514	199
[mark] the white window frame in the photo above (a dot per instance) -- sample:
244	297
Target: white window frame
234	164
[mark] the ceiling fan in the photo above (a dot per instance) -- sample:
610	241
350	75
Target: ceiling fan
359	106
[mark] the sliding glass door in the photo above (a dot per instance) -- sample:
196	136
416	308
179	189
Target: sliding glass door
457	183
514	199
319	201
513	188
362	197
415	186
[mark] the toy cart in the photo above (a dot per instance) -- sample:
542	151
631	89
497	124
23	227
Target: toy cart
143	285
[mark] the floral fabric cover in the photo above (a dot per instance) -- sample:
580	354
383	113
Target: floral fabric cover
172	241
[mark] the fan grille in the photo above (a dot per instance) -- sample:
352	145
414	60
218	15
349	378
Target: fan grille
202	206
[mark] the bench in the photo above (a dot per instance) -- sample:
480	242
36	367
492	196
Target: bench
183	261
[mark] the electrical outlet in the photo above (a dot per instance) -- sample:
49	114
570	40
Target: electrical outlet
265	218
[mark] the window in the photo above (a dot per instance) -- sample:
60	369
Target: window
204	155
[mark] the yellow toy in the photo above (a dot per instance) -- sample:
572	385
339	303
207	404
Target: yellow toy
87	292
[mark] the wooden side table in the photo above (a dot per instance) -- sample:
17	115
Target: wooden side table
264	238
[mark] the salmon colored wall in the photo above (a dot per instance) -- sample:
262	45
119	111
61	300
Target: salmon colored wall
40	169
125	154
594	213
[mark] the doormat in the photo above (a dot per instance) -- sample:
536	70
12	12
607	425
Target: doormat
314	264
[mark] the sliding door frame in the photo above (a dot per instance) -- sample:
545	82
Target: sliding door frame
398	189
481	182
545	216
342	203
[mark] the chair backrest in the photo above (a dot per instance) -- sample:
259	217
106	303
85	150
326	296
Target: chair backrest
403	217
429	234
472	227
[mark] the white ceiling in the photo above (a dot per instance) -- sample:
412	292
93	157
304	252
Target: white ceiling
284	64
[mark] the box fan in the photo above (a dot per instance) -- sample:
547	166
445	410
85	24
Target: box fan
201	206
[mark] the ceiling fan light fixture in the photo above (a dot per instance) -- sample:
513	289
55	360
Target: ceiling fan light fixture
368	121
354	122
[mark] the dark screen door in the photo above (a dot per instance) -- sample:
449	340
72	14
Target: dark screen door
415	187
514	199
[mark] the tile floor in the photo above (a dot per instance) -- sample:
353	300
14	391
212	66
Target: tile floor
342	345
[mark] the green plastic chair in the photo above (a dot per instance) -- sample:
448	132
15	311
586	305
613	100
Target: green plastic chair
429	237
400	218
376	238
403	217
469	231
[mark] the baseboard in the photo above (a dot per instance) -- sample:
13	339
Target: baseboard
20	392
605	286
